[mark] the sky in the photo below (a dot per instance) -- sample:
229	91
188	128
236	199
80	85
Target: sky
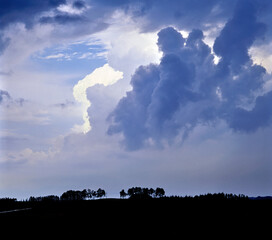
115	94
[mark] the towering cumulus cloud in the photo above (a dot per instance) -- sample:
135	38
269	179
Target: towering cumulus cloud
187	88
106	76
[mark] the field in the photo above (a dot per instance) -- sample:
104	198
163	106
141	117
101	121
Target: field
128	208
125	218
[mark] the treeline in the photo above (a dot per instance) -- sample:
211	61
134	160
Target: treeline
142	193
71	195
7	200
214	196
147	193
131	193
87	194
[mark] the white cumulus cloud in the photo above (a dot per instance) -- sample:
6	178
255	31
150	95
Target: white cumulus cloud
106	76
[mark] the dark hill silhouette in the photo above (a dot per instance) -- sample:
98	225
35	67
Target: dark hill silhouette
146	203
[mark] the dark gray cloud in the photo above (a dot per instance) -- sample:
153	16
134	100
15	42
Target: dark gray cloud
185	14
131	112
24	11
64	105
61	18
32	11
187	88
160	91
3	43
248	121
200	13
79	4
153	14
81	18
13	11
7	100
233	46
67	17
4	95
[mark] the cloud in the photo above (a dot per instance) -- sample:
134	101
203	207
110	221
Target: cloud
238	35
158	13
27	156
67	104
106	76
4	95
24	11
159	90
130	114
262	55
24	112
127	46
55	56
174	93
76	7
32	14
20	110
67	13
187	89
3	43
63	18
79	5
259	116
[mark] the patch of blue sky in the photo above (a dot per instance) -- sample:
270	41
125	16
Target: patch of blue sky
80	58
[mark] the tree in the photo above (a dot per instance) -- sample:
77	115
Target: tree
72	195
159	192
50	198
100	193
140	193
123	194
91	194
151	192
84	194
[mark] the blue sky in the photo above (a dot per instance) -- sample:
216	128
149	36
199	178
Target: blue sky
115	94
76	57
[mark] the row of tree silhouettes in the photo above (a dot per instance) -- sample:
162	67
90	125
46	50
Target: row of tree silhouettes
131	193
72	195
75	195
142	193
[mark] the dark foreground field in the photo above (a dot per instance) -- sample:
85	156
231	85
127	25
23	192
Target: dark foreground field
126	218
137	208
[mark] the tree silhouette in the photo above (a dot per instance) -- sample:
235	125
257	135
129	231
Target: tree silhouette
123	194
72	195
151	192
159	192
144	193
91	194
100	193
49	198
